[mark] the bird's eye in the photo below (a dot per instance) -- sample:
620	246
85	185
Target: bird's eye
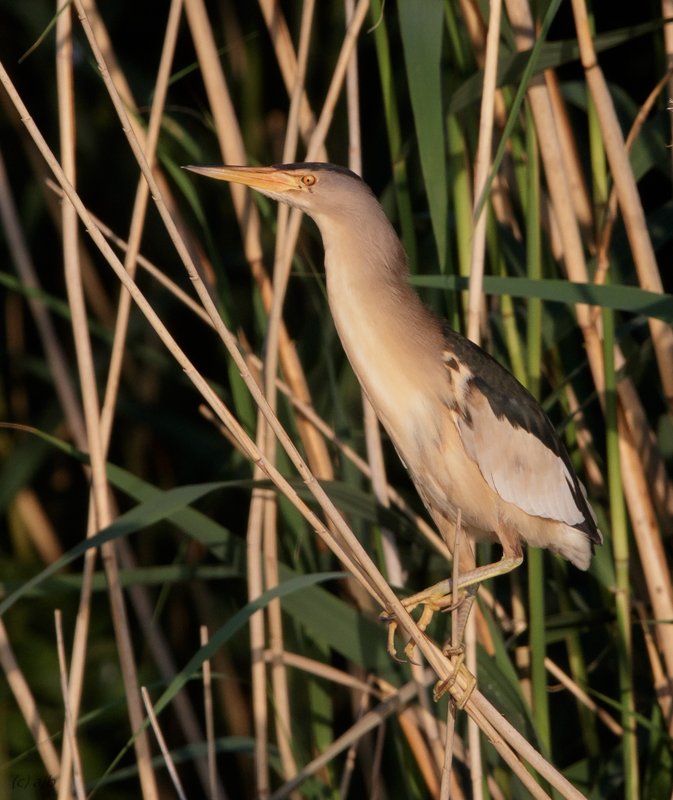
308	180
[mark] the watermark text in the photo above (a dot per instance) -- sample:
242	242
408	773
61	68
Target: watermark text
30	782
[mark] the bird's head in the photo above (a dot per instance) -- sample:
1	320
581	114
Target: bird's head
317	189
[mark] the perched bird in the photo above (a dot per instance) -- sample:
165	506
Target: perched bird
472	438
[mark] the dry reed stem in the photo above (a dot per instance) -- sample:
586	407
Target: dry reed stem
165	662
456	791
500	191
325	671
87	382
603	258
648	449
647	445
445	787
156	641
473	733
648	541
233	151
420	751
428	721
254	535
28	707
477	705
78	657
667	13
69	723
627	191
571	161
367	723
229	136
282	714
316	142
170	766
349	766
481	170
91	411
376	781
23	263
557	183
289	238
254	551
583	697
281	698
37	523
662	686
121	84
287	61
138	220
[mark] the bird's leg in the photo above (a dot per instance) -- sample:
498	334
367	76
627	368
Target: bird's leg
439	597
455	648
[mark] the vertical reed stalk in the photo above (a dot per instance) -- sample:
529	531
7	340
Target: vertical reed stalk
283	255
481	170
627	191
210	722
536	581
620	547
87	376
667	13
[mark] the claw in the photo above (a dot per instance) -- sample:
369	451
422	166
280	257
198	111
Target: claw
463	597
409	651
432	600
392	627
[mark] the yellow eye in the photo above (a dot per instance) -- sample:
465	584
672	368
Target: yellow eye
308	180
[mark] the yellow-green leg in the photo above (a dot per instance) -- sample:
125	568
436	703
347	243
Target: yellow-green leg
440	596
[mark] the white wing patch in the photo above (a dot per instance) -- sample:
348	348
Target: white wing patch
516	464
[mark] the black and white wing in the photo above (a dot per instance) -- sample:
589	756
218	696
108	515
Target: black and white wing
515	445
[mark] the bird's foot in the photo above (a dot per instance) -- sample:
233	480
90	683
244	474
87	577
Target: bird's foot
422	624
436	598
441	687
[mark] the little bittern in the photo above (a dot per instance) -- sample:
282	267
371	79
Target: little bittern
470	435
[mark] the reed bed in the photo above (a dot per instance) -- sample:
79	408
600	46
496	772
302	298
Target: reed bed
193	486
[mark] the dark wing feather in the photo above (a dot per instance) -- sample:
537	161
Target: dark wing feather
525	462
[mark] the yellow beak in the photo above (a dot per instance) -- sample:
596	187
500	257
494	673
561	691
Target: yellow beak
267	179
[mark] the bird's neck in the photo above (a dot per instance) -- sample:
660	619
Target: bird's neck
392	341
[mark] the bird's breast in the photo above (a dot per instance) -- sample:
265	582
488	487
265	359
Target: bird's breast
391	360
